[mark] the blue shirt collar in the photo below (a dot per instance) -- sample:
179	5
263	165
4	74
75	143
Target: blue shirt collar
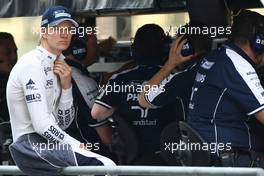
238	50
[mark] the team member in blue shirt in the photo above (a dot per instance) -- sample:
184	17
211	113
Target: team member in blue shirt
185	55
227	95
149	51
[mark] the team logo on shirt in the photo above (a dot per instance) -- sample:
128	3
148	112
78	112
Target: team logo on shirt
46	70
258	84
31	85
206	64
251	73
143	114
200	77
33	98
49	84
52	133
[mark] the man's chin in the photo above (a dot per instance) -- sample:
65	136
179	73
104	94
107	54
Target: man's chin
63	47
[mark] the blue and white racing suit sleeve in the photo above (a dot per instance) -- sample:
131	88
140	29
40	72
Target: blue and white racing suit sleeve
65	111
36	97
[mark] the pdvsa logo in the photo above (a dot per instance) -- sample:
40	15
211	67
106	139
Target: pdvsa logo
31	85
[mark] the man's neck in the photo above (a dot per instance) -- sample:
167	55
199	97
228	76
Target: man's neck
248	50
49	49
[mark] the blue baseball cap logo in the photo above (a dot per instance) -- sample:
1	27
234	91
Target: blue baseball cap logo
55	15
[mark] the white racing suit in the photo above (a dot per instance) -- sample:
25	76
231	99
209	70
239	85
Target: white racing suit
39	112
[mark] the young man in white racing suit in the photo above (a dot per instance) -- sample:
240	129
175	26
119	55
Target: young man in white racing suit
40	102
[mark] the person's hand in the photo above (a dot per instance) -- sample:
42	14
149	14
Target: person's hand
175	57
82	146
63	70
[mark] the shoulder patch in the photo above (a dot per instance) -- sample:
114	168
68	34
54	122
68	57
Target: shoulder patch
205	64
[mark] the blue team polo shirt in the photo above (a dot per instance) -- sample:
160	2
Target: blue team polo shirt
122	92
225	96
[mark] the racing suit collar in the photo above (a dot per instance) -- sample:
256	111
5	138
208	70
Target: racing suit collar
51	57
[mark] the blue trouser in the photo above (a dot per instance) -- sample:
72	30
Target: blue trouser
33	158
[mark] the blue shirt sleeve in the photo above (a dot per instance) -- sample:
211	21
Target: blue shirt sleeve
244	85
177	85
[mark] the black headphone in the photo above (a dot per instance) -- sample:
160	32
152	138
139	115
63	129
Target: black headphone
187	48
77	48
257	41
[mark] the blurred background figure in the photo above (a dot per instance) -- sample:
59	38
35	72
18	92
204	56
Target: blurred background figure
8	47
149	53
8	58
81	53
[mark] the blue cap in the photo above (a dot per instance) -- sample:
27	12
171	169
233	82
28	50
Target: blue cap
55	15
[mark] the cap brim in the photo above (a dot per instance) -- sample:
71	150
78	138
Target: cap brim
54	23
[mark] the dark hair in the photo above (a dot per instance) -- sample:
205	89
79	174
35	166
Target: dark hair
245	25
6	35
200	42
148	46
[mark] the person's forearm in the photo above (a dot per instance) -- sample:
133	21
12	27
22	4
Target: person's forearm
157	78
154	81
260	116
105	133
100	112
65	111
175	59
161	75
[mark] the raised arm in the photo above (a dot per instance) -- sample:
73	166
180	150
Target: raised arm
175	59
65	110
43	121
